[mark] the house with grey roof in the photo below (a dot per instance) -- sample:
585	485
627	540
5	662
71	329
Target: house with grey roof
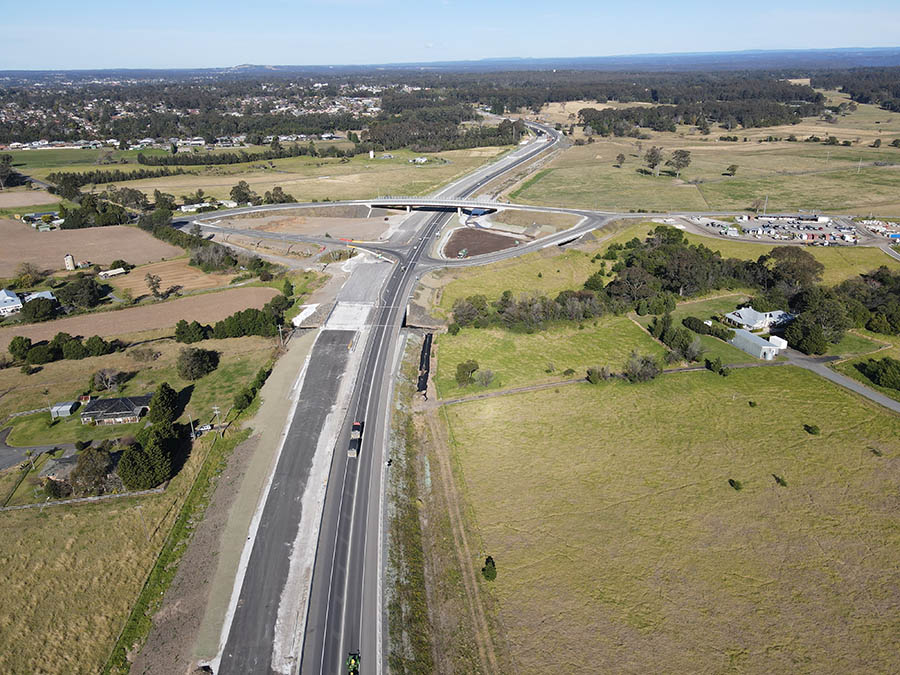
126	410
749	319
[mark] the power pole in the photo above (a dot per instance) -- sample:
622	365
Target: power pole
215	409
280	335
859	166
191	420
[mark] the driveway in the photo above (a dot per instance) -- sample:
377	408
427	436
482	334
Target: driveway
819	365
11	456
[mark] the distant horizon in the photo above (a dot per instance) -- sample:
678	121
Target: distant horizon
892	50
102	35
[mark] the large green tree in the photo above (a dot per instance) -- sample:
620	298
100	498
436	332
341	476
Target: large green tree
163	404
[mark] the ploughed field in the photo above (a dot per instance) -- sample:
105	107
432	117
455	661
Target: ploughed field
207	308
476	242
99	245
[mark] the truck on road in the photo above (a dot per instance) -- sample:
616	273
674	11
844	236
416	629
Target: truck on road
355	439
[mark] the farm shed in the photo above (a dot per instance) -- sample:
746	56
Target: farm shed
63	409
754	345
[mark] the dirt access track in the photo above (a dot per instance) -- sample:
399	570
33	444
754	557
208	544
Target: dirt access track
206	308
99	245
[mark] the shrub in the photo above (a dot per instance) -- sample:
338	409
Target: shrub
736	484
193	363
243	399
465	372
812	429
453	328
883	372
640	368
598	374
696	325
489	571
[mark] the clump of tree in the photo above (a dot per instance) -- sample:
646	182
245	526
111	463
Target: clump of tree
92	211
83	292
716	330
641	368
465	372
244	398
884	372
147	462
193	362
62	346
683	344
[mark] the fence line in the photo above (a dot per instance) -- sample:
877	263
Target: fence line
83	500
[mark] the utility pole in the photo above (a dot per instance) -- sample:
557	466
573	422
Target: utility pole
766	205
859	166
281	335
191	420
215	409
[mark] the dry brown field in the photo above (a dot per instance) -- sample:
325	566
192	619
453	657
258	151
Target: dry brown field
10	199
351	228
99	245
171	273
207	308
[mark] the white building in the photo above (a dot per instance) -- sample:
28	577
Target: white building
47	295
754	345
9	303
749	319
69	261
111	273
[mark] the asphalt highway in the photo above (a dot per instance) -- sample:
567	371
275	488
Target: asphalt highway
344	606
343	613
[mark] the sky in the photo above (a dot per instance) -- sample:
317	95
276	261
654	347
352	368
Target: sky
56	34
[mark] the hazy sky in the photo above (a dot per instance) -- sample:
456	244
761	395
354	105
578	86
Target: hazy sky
54	34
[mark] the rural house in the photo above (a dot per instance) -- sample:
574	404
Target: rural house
116	410
749	319
9	303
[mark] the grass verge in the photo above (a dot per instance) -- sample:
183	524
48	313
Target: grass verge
409	626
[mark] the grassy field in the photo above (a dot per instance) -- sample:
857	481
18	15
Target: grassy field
307	178
240	358
614	529
886	345
69	585
793	174
544	272
519	359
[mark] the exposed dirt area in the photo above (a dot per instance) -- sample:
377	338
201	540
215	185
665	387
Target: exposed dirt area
10	199
176	273
207	308
477	242
343	211
350	228
522	218
272	246
99	245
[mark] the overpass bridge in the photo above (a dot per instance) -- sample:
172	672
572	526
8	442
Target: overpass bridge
433	203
